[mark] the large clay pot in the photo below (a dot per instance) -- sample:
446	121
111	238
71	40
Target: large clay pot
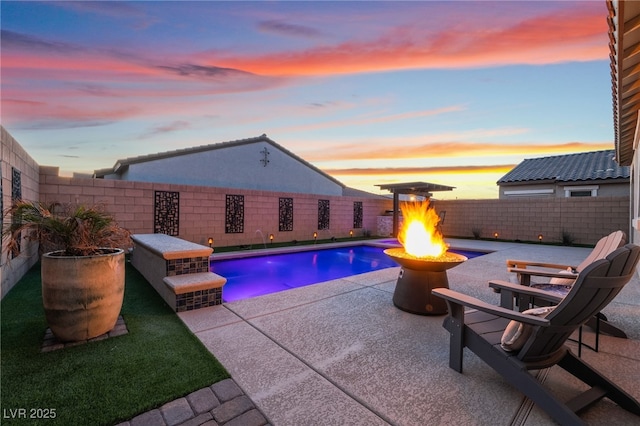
82	295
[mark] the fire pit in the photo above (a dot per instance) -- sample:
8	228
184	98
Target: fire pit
424	260
418	276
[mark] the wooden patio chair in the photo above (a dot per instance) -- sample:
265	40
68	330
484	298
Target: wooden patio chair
541	343
561	278
564	275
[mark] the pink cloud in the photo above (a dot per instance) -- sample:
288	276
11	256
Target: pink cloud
576	34
82	75
53	115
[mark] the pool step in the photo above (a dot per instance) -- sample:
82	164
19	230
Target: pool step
178	270
189	283
194	291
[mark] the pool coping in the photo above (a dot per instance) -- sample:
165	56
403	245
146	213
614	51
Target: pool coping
325	246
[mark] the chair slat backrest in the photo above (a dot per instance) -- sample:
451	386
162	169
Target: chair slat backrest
603	248
596	286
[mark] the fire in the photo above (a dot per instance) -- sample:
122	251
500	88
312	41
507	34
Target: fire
419	234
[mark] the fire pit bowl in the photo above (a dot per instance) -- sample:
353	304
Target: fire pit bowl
417	277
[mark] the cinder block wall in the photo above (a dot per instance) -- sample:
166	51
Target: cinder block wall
584	219
202	212
20	178
202	209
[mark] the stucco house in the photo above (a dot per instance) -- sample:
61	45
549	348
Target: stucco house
624	44
585	174
256	163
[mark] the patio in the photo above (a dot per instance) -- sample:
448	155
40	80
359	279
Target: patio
341	353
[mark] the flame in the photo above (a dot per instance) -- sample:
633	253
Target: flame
419	234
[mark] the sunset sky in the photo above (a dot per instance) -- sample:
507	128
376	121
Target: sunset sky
454	93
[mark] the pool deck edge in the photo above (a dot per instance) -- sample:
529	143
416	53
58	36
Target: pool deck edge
326	356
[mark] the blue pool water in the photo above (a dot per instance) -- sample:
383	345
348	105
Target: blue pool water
258	275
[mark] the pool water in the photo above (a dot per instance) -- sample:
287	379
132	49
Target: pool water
259	275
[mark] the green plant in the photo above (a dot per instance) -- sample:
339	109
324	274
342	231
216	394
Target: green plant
78	230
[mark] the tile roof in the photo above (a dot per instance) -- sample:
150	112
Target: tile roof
584	166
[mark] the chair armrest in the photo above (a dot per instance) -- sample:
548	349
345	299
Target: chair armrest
521	290
539	273
522	264
461	299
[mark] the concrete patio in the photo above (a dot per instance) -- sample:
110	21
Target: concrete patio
340	353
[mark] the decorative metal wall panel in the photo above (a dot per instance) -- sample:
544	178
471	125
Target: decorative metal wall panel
16	195
234	217
166	213
357	214
16	184
323	214
285	214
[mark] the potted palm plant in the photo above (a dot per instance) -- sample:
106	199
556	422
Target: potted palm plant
83	258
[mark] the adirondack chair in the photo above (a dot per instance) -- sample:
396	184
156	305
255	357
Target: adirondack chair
542	341
562	278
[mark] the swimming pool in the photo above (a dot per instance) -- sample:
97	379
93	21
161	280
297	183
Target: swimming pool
258	275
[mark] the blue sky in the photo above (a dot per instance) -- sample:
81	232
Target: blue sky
454	93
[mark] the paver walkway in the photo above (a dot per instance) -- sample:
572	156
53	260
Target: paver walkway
223	403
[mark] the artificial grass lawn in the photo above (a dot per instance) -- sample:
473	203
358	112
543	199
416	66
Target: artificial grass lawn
103	382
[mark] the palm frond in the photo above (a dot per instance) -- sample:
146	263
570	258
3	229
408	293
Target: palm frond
78	230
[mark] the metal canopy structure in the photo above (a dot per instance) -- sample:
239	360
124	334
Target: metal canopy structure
415	188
